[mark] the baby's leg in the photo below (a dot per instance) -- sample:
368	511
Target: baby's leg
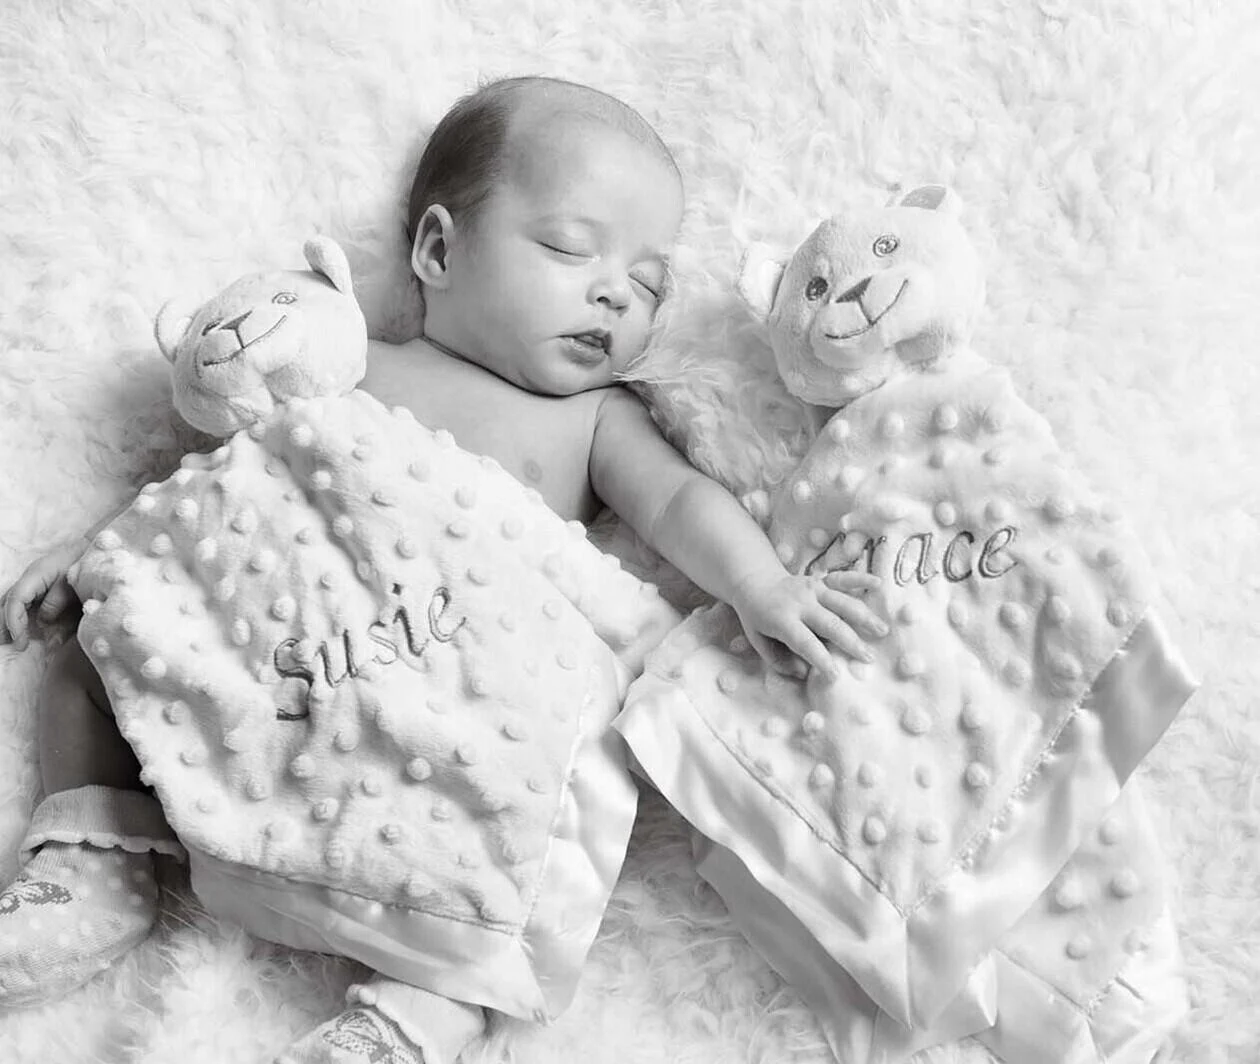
79	743
389	1020
85	893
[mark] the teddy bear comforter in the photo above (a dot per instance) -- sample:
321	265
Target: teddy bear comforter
369	676
938	843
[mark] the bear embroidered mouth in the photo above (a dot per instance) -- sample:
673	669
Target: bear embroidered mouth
871	322
244	347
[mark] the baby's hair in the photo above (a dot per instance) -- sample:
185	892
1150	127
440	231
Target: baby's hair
464	156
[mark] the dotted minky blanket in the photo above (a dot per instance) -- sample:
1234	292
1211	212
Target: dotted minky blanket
907	814
369	676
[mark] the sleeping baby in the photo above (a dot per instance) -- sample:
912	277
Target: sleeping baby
364	654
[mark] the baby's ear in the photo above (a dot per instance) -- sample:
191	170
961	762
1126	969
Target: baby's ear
171	324
326	257
940	198
757	282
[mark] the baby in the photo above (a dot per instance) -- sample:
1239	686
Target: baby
541	218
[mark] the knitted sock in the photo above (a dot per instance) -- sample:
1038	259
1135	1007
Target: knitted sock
72	912
389	1022
362	1035
85	893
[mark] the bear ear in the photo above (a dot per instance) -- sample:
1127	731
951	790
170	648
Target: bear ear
931	198
171	324
757	281
326	257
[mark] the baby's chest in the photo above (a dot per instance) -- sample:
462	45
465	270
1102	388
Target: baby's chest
544	444
543	441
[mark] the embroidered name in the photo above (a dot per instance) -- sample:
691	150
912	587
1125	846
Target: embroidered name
386	640
963	557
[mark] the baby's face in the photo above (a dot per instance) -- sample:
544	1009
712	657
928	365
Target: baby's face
555	285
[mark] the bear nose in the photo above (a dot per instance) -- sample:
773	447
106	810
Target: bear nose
854	294
236	321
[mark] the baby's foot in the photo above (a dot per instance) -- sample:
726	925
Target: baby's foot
72	911
361	1035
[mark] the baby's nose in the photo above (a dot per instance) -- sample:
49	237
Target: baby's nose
613	292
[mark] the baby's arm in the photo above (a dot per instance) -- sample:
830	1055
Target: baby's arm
43	587
700	527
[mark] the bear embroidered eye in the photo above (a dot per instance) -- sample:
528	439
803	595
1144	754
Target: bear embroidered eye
284	297
816	289
885	245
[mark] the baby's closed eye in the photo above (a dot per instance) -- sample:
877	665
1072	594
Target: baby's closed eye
650	279
566	249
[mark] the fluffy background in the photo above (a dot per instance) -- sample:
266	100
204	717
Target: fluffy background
1109	155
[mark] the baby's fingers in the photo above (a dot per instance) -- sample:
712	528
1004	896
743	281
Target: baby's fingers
854	611
777	656
842	637
13	618
805	644
56	599
851	580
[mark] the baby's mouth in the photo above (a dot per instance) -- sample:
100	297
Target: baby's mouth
598	342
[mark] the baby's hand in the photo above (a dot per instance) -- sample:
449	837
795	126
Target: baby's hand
786	618
44	588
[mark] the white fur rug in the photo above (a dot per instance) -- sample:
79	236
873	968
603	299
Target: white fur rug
1109	153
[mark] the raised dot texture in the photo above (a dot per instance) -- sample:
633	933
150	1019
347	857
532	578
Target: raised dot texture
916	721
869	774
1124	884
929	831
1015	673
774	727
874	830
1058	610
1079	947
892	426
977	776
839	429
1110	832
909	666
1059	508
813	723
1013	616
849	477
946	513
1069	896
1119	614
821	776
728	682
